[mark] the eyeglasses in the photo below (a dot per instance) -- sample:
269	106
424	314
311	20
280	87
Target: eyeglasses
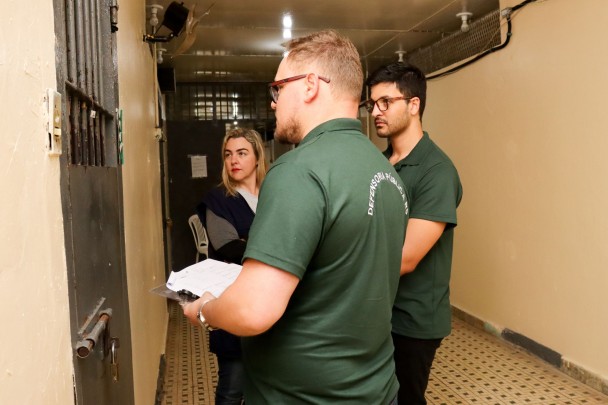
274	87
383	103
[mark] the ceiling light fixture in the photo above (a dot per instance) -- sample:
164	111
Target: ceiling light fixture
400	55
287	24
174	19
287	21
154	9
465	16
159	55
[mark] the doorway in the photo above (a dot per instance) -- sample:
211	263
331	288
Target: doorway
91	189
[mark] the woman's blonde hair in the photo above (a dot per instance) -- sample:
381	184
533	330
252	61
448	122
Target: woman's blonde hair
254	138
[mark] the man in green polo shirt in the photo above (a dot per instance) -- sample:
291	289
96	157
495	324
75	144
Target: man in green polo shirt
422	313
321	270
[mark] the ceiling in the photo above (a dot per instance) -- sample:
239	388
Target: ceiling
240	40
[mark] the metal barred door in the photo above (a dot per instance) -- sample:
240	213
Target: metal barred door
91	188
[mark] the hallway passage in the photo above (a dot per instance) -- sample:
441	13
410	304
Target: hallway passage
472	367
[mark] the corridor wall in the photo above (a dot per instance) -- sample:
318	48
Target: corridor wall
526	127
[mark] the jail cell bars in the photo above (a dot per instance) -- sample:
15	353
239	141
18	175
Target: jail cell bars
219	101
91	93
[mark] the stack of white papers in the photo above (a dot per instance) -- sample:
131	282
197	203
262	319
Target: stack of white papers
209	275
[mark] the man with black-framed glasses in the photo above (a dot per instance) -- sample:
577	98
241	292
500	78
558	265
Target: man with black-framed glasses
422	312
314	298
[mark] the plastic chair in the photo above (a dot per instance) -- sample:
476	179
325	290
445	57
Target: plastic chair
200	236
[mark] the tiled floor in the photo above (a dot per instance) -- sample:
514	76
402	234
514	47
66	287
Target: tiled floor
471	367
191	371
474	367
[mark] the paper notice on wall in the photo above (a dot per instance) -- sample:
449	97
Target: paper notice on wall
199	166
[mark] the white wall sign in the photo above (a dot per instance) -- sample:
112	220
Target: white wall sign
199	166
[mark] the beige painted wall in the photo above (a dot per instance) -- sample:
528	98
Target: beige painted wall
35	354
142	200
528	130
33	278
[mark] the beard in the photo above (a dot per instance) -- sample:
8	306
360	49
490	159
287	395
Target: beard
288	133
393	127
384	131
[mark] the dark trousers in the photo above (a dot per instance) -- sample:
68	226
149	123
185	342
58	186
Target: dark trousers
413	360
230	383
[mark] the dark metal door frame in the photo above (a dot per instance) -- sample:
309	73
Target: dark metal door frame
91	192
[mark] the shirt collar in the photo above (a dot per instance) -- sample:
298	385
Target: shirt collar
337	124
416	156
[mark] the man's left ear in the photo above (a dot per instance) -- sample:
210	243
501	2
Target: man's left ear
312	86
414	105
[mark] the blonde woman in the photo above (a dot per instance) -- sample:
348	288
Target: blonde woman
227	212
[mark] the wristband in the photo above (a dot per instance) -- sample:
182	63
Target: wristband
201	318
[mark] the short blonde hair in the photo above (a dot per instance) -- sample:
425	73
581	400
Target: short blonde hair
254	138
336	57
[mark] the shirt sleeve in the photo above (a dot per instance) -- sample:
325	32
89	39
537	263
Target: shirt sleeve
219	230
437	195
290	219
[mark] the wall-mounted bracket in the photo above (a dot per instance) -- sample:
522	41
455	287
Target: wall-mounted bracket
53	143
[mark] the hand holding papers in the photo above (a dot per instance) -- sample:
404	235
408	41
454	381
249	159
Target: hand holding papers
209	275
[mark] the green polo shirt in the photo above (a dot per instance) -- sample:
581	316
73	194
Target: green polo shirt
422	307
333	213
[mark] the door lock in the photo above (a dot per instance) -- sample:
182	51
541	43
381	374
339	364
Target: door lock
114	345
97	334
